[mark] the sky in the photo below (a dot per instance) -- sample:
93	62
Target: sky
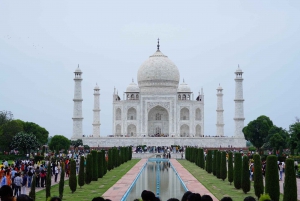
42	43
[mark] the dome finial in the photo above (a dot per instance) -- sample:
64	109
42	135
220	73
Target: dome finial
183	80
132	80
158	44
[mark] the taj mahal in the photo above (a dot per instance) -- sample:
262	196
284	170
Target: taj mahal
158	110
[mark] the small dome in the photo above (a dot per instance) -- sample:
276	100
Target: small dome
96	87
219	87
184	87
133	87
158	71
238	69
77	70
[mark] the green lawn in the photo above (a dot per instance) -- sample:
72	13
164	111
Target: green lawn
95	188
216	186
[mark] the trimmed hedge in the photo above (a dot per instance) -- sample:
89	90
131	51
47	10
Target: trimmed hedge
73	178
209	162
218	165
81	172
237	175
214	164
272	178
230	168
245	175
290	187
223	166
258	177
88	169
95	166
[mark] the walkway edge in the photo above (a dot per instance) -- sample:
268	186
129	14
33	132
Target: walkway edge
190	181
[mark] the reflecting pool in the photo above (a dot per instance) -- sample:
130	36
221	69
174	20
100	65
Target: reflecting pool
169	186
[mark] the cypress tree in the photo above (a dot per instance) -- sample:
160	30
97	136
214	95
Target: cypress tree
32	188
202	159
88	169
62	181
48	181
272	178
209	161
223	169
73	178
95	166
81	172
258	177
245	175
237	173
214	164
104	162
130	152
198	157
109	161
99	161
230	168
290	183
218	165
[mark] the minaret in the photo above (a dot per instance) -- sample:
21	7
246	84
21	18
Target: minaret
96	111
239	107
77	111
220	119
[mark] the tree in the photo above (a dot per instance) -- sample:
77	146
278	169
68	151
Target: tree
258	177
73	178
110	159
95	166
5	116
32	188
99	161
277	137
48	182
218	168
223	168
214	165
76	143
257	131
40	132
209	161
237	173
104	163
294	132
59	141
61	181
230	168
89	169
290	184
7	131
24	142
202	159
81	172
245	175
272	178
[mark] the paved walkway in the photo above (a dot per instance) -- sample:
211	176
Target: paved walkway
190	181
116	192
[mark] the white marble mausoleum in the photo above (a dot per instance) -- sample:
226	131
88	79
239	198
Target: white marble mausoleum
158	110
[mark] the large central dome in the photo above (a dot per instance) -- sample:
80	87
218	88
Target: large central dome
159	71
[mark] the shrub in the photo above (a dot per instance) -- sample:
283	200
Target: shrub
237	173
218	165
230	168
214	164
88	169
99	161
209	161
48	181
130	152
290	187
62	181
73	178
223	166
264	197
258	177
202	160
104	162
81	172
32	188
272	178
245	175
95	166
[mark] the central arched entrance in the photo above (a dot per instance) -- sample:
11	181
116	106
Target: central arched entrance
158	122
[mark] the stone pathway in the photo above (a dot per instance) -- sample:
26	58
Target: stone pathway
116	192
190	181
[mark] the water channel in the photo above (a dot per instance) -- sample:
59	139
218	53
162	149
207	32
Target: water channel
158	177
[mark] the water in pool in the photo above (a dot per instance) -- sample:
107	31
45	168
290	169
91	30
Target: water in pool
170	185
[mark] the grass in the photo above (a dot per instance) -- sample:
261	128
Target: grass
216	186
94	189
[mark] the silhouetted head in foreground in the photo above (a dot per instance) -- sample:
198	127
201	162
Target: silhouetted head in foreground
226	199
98	199
173	199
55	199
185	195
147	196
249	198
206	198
24	197
6	193
194	197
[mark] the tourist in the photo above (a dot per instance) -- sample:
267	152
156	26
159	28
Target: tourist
185	195
173	199
206	198
18	183
280	167
98	199
148	196
55	173
6	193
43	178
226	199
249	198
194	197
55	199
3	180
24	183
24	197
